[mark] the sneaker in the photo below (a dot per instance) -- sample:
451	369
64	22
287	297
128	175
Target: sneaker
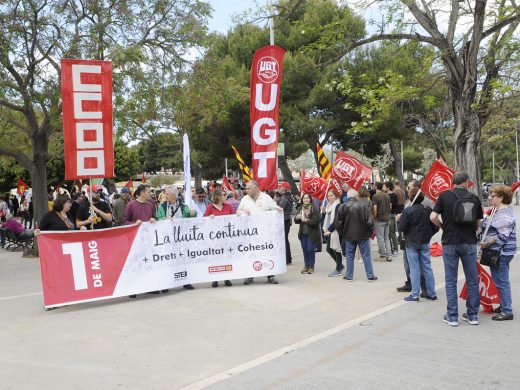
132	296
228	283
411	298
310	270
165	291
372	279
471	321
450	322
335	273
188	287
214	284
404	288
304	270
349	279
248	281
383	258
432	298
272	280
502	317
388	258
394	254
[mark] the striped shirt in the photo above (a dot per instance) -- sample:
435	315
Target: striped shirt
503	230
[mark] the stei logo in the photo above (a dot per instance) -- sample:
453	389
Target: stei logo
220	268
180	275
268	69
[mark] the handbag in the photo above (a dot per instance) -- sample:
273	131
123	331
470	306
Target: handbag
490	257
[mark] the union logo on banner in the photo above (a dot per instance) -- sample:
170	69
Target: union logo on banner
350	170
268	69
438	180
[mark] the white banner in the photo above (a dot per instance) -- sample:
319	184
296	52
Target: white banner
176	252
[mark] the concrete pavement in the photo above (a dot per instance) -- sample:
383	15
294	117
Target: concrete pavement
309	331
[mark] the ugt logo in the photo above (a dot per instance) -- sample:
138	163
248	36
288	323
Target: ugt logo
440	182
268	69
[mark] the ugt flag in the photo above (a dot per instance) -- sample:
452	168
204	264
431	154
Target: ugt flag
313	185
350	170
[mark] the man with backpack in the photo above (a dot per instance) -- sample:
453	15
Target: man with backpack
461	216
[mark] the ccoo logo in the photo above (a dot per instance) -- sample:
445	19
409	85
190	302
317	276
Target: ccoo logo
268	69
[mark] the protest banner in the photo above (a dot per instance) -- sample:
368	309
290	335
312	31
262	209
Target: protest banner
266	78
350	170
86	89
83	266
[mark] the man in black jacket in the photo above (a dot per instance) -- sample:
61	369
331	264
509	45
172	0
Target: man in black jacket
355	224
286	203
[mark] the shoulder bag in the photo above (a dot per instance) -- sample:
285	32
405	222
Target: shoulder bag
489	257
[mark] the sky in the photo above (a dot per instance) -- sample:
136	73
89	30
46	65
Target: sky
224	10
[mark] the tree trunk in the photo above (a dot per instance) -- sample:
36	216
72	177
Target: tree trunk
197	174
287	174
466	139
397	161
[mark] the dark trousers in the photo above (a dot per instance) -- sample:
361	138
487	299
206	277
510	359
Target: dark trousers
336	256
288	256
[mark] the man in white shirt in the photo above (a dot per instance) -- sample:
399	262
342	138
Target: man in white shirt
254	202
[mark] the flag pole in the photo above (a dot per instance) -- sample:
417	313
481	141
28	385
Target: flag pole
271	23
90	201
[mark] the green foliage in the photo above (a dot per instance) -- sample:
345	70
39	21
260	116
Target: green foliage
159	181
163	150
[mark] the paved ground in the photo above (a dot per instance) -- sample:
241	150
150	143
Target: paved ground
310	331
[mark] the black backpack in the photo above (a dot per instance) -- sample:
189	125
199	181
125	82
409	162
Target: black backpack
464	209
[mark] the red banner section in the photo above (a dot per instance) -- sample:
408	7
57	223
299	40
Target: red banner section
83	266
438	180
266	78
350	170
313	185
86	89
489	294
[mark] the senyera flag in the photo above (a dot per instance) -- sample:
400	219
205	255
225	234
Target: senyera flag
86	89
313	185
350	170
438	180
266	78
489	294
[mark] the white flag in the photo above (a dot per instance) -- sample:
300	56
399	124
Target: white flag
187	170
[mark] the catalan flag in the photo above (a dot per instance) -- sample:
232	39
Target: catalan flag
325	165
246	172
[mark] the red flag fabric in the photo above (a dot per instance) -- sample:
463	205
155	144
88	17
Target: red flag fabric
489	294
226	187
130	183
438	180
22	187
143	179
86	90
336	185
436	250
350	170
313	185
266	78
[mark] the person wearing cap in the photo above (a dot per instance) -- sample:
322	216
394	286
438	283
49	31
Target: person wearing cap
287	204
118	206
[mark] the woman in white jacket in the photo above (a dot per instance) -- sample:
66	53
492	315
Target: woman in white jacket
333	240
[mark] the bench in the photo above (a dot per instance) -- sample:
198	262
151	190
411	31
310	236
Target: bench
13	242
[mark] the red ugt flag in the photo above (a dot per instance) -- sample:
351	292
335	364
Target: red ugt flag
266	79
438	180
313	185
350	170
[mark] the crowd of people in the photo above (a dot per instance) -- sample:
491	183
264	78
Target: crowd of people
400	220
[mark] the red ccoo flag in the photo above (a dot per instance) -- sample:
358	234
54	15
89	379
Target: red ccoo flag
22	187
313	185
226	187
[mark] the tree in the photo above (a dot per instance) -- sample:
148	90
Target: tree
475	47
146	42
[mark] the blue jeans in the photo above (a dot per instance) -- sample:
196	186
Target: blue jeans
500	276
419	261
309	251
350	253
468	256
